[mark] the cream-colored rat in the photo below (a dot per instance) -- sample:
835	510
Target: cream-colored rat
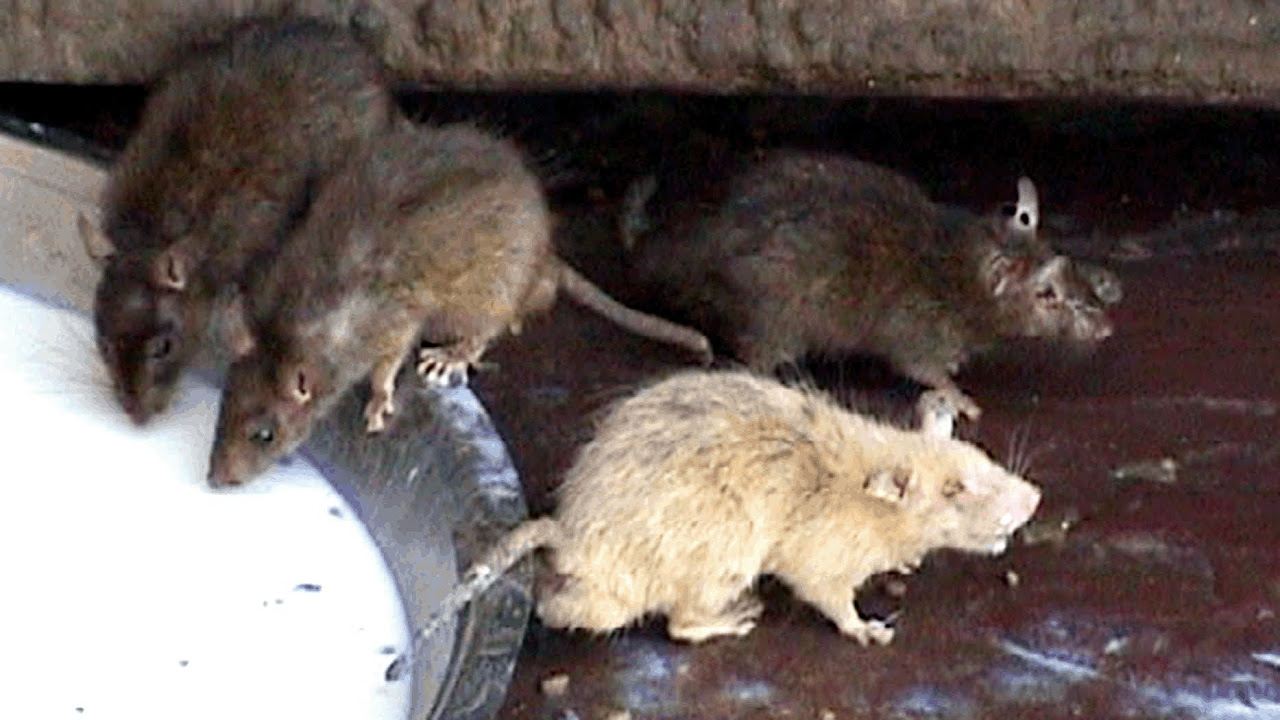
438	233
223	163
698	484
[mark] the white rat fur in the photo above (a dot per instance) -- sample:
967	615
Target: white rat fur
698	484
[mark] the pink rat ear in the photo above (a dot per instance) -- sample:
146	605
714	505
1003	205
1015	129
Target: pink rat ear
169	269
97	245
1026	213
890	485
298	381
236	330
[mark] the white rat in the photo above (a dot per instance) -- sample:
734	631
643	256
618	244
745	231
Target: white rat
698	484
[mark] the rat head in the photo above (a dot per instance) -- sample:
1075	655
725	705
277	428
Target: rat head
144	322
268	409
270	403
1043	297
962	499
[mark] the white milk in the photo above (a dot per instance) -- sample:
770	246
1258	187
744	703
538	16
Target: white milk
130	590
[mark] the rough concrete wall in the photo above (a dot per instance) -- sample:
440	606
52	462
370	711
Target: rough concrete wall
1208	50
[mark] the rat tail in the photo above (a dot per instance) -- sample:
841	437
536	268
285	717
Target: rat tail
586	293
524	539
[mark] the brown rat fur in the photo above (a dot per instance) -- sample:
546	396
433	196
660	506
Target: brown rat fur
701	482
434	233
797	252
220	166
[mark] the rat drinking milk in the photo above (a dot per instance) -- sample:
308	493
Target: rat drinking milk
223	162
438	233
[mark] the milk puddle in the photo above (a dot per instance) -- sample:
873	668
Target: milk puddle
129	590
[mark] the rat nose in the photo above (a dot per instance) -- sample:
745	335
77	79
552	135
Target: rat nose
134	409
220	477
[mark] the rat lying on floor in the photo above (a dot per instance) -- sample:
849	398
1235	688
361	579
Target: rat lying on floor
698	484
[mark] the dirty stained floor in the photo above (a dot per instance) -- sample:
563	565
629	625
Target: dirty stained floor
1148	584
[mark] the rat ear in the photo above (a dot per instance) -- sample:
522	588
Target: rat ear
236	331
298	380
169	269
1052	270
97	245
1026	213
890	485
1003	272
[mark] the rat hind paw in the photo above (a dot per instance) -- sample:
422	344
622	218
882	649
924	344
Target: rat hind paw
868	632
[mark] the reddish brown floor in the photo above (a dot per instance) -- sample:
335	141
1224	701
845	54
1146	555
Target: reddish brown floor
1159	597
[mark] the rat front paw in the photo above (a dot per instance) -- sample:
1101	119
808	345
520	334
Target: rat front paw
869	632
377	412
948	401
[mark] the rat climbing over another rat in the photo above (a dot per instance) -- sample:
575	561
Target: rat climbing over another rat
701	482
798	252
433	233
229	145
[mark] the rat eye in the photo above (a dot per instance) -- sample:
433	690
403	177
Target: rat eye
952	488
1048	293
158	348
262	436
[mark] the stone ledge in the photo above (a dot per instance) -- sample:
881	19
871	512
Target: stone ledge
1188	50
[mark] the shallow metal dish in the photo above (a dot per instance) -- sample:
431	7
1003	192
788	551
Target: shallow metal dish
433	491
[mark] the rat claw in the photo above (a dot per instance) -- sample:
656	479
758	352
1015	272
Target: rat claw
440	368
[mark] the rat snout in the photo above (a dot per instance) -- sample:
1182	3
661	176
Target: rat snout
1030	500
223	474
135	411
1092	325
1103	328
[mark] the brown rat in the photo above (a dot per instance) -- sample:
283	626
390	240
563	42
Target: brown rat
699	483
796	252
438	233
221	165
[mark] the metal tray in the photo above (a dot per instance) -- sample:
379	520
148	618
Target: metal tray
433	491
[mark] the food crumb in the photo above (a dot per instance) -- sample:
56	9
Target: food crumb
1011	578
1164	470
307	587
895	588
555	685
387	650
183	663
334	511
